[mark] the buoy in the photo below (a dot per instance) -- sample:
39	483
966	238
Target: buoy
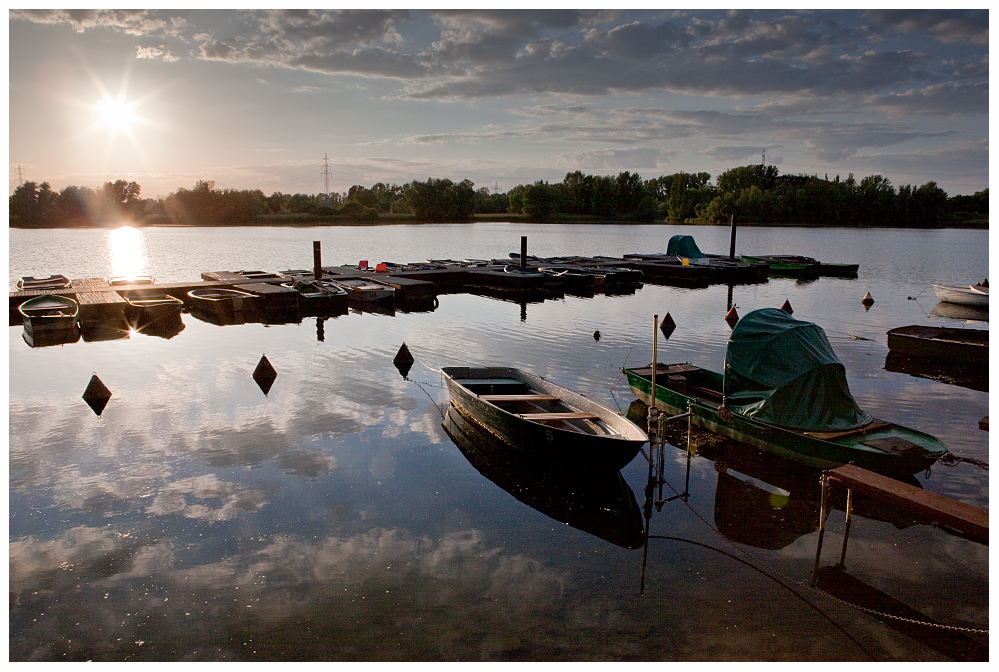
96	395
787	307
731	317
403	360
868	300
264	375
596	335
667	326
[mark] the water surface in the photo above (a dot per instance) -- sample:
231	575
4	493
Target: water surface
333	518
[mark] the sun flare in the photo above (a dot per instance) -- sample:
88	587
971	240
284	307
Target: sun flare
116	114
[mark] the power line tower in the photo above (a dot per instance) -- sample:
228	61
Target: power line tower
496	188
20	175
326	175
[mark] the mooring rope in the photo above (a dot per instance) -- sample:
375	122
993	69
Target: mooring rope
951	460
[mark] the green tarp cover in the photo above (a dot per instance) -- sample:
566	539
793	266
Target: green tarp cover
683	246
783	371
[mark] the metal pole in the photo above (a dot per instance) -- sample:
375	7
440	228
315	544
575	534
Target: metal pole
846	532
822	524
731	245
317	259
523	251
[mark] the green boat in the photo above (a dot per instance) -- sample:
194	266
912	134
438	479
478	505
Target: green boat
793	266
784	391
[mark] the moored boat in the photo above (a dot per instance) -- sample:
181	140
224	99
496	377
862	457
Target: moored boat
966	295
963	346
785	391
320	297
364	290
524	409
788	265
219	301
148	307
51	282
131	279
49	312
600	503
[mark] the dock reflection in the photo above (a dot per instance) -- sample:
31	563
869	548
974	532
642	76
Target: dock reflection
597	502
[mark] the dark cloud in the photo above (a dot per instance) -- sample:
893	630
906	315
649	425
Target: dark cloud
938	99
952	26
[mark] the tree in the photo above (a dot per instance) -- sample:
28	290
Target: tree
541	201
441	200
736	180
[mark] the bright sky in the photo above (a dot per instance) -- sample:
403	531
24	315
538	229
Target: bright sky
255	99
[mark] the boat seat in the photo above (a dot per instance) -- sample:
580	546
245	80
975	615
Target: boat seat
559	416
518	397
465	382
873	426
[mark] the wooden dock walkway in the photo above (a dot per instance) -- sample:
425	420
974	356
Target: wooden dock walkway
969	520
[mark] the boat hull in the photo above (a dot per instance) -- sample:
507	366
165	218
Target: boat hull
965	296
49	313
226	304
919	453
616	442
962	346
600	503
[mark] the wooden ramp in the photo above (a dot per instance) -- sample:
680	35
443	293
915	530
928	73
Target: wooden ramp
970	520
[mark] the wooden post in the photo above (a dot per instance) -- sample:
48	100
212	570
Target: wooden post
317	259
523	251
731	244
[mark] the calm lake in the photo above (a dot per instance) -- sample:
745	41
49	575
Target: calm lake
334	519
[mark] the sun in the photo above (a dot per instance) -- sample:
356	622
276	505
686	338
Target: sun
116	114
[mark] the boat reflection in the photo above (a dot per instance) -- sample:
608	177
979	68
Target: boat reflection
165	327
964	375
598	503
45	338
955	311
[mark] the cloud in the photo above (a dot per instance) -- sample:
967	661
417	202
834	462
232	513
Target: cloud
616	160
938	99
950	26
730	153
130	21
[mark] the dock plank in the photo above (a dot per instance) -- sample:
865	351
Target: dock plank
971	520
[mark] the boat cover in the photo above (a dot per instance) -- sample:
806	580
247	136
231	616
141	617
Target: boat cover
783	371
683	246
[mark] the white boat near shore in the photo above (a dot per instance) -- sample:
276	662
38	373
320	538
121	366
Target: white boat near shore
967	295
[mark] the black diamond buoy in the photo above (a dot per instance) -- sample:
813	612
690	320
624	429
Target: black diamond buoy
596	335
731	317
264	375
667	326
403	360
868	301
96	395
787	307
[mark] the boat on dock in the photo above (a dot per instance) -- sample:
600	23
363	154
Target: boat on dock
321	297
49	312
364	291
131	279
787	265
221	302
524	409
967	295
600	503
50	282
784	391
961	346
148	307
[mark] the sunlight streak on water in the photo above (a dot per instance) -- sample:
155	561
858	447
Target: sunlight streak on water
126	252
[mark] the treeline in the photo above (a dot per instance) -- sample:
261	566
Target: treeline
754	193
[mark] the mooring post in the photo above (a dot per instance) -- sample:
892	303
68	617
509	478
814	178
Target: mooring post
731	244
317	259
523	251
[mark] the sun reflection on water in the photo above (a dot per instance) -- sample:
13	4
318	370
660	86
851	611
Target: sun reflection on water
126	250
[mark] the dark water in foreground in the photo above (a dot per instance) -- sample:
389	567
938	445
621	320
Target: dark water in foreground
333	518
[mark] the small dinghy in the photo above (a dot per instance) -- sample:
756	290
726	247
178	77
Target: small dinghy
49	313
51	282
524	409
